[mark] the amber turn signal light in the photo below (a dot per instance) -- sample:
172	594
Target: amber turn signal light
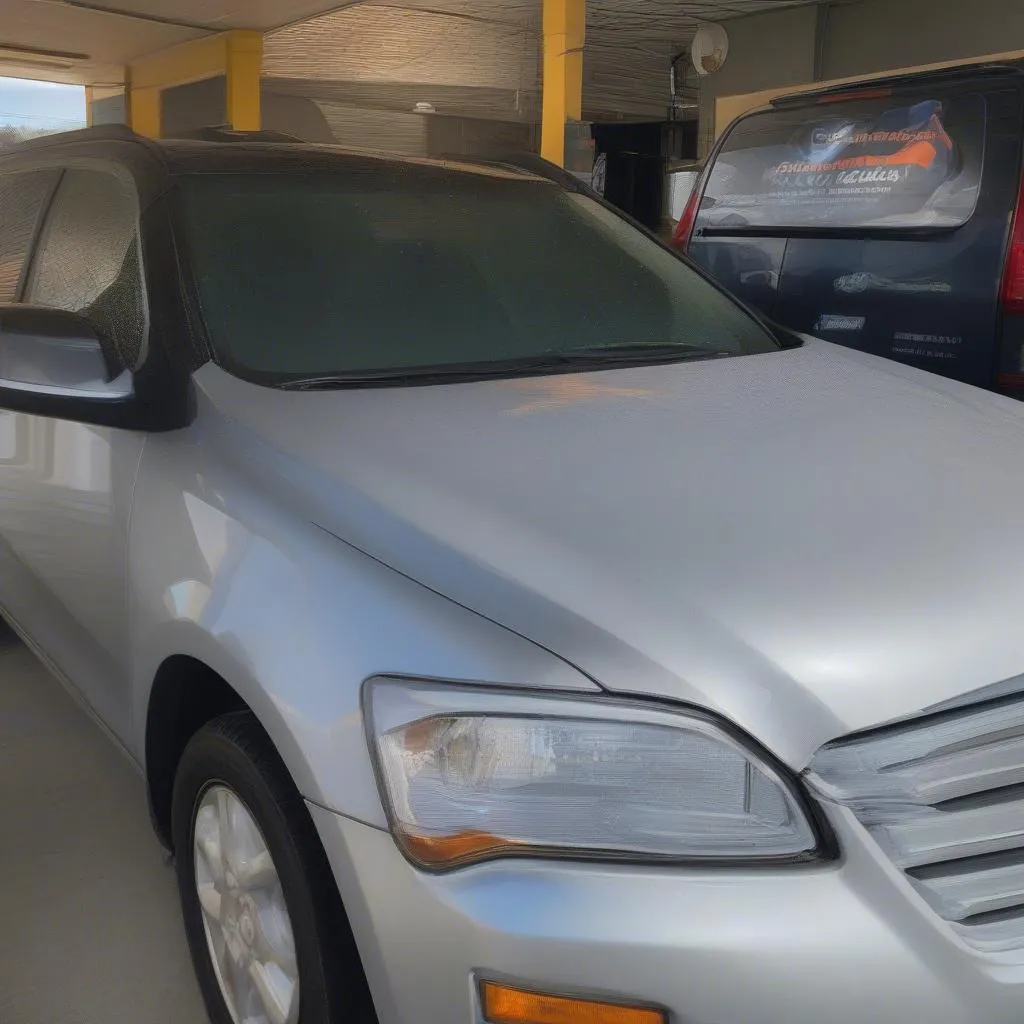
436	851
504	1005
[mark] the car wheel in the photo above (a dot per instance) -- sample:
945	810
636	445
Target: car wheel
268	937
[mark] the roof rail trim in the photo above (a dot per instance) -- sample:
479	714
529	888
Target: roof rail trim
96	133
954	71
225	133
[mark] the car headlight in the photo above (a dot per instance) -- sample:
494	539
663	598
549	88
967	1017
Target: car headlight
469	773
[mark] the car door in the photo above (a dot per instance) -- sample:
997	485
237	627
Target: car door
24	197
64	517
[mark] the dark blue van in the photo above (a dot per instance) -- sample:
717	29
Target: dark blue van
883	216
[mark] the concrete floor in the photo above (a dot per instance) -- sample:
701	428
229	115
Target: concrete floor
90	929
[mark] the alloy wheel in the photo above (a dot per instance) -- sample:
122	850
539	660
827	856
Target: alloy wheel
245	916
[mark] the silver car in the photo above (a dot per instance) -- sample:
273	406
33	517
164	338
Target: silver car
510	627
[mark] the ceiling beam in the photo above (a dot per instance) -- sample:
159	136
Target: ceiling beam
152	19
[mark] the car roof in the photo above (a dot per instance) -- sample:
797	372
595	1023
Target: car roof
198	157
154	161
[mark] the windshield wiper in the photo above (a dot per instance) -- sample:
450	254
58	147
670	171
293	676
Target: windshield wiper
638	351
411	375
596	357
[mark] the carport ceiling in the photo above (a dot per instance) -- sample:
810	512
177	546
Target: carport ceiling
670	23
672	20
90	42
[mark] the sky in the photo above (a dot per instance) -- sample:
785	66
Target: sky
41	104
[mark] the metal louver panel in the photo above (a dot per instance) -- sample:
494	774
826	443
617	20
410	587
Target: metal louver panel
382	131
620	78
490	45
370	43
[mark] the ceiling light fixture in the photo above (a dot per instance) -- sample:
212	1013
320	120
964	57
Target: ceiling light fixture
47	60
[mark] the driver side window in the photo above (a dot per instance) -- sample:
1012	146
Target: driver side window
88	259
23	195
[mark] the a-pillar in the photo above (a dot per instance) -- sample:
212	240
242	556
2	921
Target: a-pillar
237	56
564	26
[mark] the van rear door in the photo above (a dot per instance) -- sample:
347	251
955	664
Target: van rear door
883	214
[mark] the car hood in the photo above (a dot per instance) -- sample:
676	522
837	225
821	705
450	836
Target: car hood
810	542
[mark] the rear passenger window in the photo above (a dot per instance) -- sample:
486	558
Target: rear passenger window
21	203
882	162
88	260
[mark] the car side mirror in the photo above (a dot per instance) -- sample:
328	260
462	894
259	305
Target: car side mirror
60	364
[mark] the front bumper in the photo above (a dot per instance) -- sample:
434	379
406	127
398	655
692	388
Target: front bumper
840	943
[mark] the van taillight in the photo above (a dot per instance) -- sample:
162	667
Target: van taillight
1013	272
681	235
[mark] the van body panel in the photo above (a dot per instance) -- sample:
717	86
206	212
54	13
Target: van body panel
877	219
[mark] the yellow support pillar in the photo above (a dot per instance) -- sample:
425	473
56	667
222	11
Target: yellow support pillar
237	55
564	25
144	113
244	67
88	105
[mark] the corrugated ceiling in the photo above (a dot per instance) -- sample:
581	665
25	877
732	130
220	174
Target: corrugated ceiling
463	44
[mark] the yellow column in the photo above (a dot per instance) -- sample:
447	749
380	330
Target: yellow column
144	112
244	66
564	30
88	105
238	55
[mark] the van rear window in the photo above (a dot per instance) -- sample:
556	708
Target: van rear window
853	163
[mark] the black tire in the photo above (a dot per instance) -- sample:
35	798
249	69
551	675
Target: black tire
235	751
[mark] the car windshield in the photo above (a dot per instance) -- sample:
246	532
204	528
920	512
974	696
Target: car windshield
399	267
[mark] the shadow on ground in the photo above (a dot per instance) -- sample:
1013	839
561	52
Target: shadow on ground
91	930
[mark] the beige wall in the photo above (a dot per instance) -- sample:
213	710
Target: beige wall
770	51
728	108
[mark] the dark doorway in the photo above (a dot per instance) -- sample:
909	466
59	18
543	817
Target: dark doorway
636	157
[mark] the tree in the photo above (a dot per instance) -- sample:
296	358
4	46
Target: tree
12	134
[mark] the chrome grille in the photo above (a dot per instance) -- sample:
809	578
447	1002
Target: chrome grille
944	798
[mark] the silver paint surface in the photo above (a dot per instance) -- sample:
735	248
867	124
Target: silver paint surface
808	543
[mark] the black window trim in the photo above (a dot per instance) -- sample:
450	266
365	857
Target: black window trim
37	229
120	172
166	395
